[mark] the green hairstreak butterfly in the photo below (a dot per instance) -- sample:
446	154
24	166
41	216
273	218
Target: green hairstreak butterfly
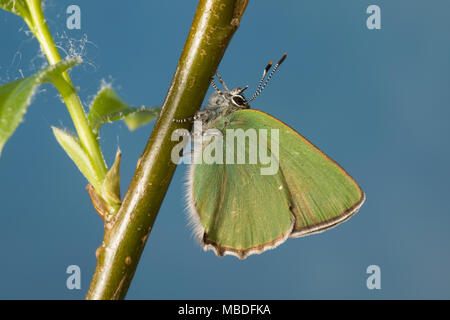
234	207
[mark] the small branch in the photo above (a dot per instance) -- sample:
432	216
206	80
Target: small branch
39	27
214	24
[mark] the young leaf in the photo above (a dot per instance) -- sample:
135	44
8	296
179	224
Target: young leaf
100	205
19	7
16	96
111	184
107	201
141	117
107	107
78	155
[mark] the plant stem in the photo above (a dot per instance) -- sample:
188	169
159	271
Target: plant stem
38	26
213	26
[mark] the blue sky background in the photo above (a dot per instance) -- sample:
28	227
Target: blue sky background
376	101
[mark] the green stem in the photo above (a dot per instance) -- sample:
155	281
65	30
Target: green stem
38	26
214	24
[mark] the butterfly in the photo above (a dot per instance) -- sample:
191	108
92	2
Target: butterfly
237	208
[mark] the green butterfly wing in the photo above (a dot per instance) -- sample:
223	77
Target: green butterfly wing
238	211
228	210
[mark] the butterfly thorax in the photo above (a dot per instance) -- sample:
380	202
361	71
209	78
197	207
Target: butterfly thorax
221	104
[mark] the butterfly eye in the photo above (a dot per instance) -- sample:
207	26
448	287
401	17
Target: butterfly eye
239	100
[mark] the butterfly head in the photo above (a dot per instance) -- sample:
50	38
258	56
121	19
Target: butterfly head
235	97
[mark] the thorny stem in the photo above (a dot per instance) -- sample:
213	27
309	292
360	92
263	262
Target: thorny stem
213	26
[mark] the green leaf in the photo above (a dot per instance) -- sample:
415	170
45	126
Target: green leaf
19	7
78	155
141	117
111	184
106	201
107	107
16	96
52	72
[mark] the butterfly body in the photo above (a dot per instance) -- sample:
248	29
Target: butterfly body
220	105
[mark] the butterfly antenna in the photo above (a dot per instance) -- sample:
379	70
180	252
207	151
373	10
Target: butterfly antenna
214	85
266	69
222	82
261	86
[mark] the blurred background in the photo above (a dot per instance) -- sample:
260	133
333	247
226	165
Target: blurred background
376	101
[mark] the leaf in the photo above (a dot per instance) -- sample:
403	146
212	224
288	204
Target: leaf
111	184
107	107
50	73
107	201
141	117
78	155
100	205
19	7
16	96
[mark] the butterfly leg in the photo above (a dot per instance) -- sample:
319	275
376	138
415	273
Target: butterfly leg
190	119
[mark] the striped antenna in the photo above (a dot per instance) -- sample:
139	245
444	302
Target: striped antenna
222	82
261	86
266	69
213	83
